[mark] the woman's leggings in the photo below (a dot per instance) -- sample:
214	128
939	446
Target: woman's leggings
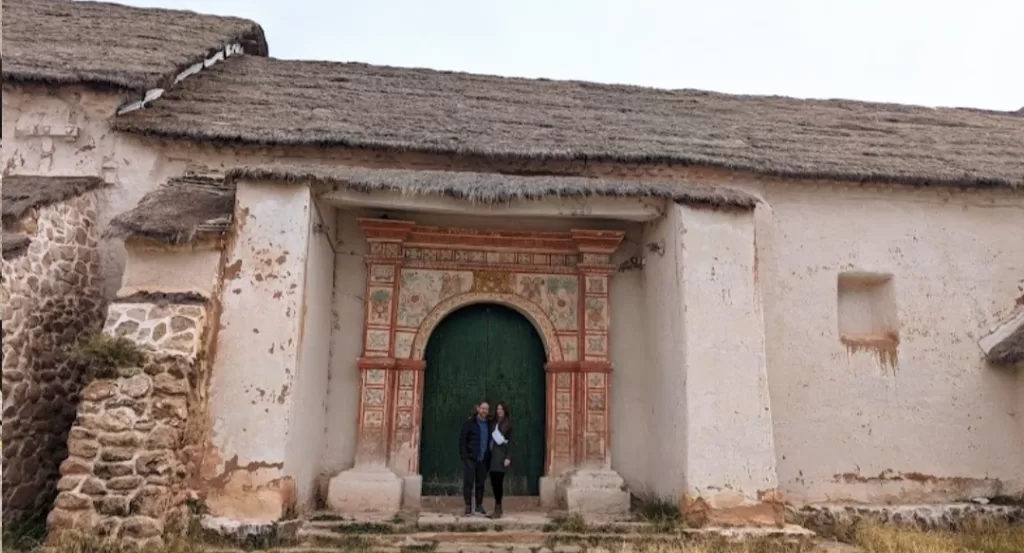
497	485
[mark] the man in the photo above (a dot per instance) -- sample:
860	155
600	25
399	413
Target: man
474	438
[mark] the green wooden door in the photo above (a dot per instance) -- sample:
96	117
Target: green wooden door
487	353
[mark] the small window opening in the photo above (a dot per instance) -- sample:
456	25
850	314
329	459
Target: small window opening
867	314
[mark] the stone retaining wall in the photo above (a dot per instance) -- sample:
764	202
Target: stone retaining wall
134	446
51	298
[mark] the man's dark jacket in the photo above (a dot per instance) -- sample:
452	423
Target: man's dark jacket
469	440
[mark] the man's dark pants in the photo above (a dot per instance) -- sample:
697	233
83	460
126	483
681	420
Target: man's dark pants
473	476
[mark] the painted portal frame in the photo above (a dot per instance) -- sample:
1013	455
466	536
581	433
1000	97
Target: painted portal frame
418	275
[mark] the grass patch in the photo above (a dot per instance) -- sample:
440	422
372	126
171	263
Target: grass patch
25	535
101	355
364	528
663	516
570	524
976	537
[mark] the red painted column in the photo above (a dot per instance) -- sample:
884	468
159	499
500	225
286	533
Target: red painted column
379	381
593	379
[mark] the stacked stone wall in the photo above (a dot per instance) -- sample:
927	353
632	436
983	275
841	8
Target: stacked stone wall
135	444
51	298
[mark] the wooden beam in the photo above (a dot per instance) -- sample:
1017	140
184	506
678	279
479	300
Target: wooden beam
623	209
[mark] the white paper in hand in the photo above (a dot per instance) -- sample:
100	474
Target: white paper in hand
497	437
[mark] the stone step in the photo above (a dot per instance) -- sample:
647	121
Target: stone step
535	538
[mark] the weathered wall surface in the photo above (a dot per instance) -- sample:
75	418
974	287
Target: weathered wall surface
307	436
630	404
131	448
253	407
50	299
660	388
933	424
66	132
730	451
188	270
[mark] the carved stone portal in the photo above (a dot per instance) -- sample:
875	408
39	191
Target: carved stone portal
418	275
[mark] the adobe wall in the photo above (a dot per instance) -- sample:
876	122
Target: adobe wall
928	421
50	299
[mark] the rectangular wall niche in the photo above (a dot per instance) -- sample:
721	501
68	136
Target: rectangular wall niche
867	313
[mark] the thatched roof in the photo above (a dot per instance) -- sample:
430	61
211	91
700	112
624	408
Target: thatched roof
110	45
265	101
1010	351
24	192
15	245
491	188
178	212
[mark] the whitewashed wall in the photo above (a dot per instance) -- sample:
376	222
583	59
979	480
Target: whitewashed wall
307	431
938	425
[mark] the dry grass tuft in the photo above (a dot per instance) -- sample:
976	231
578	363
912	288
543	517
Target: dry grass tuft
101	355
977	538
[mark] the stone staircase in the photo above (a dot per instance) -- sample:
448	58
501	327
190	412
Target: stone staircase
443	531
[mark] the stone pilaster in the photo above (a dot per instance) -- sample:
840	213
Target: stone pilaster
592	486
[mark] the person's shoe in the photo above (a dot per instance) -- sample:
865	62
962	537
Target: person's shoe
480	511
497	512
469	511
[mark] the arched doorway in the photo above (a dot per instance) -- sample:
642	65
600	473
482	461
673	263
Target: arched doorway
483	352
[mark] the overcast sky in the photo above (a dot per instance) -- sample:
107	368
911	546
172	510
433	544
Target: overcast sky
930	52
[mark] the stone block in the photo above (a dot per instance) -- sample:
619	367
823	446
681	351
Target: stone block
412	493
366	490
598	492
549	493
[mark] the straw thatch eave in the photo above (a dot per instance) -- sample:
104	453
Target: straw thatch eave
268	102
492	188
112	46
24	192
178	212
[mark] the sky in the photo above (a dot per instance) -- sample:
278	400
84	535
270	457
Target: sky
928	52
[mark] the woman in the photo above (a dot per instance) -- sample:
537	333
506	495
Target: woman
499	452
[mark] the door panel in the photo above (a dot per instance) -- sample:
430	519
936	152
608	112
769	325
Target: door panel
483	352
